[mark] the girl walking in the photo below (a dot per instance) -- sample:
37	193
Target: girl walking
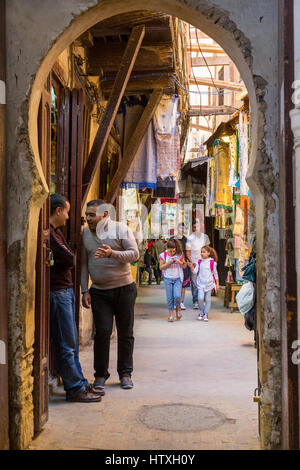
172	264
207	279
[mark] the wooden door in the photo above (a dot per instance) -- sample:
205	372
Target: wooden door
42	305
63	143
80	129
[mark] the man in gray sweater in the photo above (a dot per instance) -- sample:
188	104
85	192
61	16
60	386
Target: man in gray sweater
108	248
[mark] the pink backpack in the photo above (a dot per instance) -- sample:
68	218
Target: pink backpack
212	262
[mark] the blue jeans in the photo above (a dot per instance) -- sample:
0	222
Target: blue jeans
194	288
173	291
65	340
204	300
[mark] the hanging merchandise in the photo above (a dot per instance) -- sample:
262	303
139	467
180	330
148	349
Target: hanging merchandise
167	137
233	173
251	215
210	189
167	155
238	228
244	255
155	220
220	219
130	199
165	188
245	206
223	198
229	261
165	115
168	217
142	172
181	186
237	184
198	191
199	215
243	151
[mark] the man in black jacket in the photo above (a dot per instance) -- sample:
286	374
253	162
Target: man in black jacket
62	308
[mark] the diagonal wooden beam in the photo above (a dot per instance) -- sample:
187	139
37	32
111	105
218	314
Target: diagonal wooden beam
210	110
126	65
210	61
218	83
201	128
133	145
214	48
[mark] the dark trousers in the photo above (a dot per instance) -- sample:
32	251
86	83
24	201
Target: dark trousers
65	340
157	274
105	304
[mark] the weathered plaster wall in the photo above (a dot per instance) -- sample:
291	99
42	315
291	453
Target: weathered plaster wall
295	122
37	32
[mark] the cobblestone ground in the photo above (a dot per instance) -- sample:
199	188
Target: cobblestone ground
212	365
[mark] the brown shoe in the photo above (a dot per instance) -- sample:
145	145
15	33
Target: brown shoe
95	391
84	397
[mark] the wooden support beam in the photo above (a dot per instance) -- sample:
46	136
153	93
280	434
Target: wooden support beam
206	48
211	61
201	128
133	145
199	34
126	65
86	39
142	85
106	58
184	130
210	110
217	83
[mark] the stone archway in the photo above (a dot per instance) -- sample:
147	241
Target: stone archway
30	60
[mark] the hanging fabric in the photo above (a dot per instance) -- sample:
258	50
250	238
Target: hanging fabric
165	115
167	138
233	174
130	199
251	215
142	172
168	148
243	152
165	188
210	189
223	199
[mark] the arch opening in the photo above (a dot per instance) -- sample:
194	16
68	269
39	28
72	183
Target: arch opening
212	21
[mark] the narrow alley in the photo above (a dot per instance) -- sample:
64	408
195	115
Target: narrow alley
147	163
193	387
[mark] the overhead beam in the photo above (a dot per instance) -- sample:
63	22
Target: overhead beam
206	48
133	145
210	61
217	83
199	35
142	85
201	128
126	65
85	40
210	110
106	58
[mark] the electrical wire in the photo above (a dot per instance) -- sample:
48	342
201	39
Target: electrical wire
192	69
208	68
205	61
84	86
